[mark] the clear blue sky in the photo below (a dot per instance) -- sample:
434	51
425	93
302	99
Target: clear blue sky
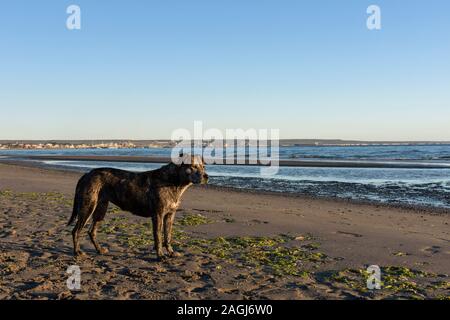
140	69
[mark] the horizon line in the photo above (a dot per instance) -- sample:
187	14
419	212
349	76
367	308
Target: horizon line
282	139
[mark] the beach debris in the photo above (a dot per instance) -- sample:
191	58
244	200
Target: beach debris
400	254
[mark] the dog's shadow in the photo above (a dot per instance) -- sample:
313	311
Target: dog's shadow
37	249
63	250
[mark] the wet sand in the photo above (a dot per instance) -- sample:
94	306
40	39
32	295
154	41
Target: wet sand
282	162
235	245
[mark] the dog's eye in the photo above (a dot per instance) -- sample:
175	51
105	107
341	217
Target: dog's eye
188	171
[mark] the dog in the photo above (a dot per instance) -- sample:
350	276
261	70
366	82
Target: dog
156	194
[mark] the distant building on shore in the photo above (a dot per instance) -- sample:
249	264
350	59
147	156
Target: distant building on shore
51	145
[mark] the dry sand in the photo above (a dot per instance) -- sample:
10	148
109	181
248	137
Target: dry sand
235	245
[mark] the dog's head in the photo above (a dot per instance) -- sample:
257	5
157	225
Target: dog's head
191	169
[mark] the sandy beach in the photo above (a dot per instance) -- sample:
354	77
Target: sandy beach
234	245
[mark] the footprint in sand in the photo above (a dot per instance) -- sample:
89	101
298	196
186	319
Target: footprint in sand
256	221
207	211
8	233
351	234
432	249
13	262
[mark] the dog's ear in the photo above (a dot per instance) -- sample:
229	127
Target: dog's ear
180	160
185	159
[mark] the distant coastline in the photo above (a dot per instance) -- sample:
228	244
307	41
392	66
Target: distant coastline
49	145
131	144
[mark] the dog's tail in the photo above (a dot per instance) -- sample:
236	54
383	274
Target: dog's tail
74	211
76	203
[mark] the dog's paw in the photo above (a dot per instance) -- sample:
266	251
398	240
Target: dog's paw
174	254
161	258
103	251
80	254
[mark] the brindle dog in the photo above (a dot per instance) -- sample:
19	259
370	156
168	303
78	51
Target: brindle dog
154	194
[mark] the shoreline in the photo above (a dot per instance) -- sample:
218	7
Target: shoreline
317	163
415	208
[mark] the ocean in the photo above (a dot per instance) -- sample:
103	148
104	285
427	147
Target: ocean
406	186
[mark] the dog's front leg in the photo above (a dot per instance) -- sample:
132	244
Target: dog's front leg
168	223
157	234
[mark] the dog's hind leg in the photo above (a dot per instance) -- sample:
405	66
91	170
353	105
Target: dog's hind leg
97	218
76	238
83	216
